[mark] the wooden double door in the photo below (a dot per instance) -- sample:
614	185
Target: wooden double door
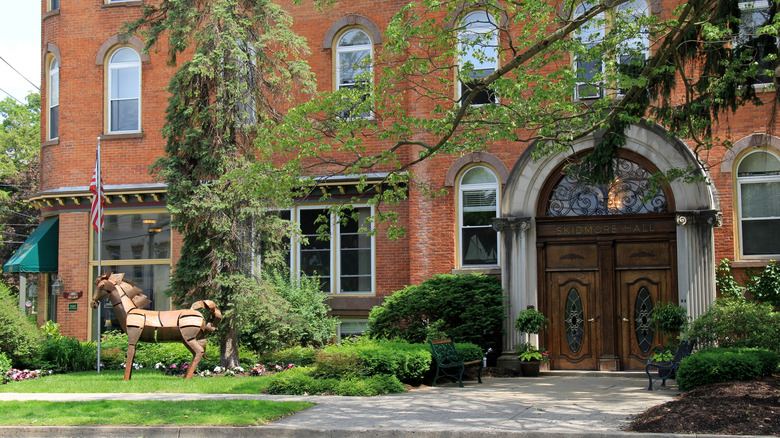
599	281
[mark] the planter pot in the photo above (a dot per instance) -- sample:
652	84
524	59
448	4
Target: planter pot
530	368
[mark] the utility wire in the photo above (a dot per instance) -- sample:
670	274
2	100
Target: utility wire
17	72
11	96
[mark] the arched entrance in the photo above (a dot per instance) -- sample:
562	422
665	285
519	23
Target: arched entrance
597	274
606	254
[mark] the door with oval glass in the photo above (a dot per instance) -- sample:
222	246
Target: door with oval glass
640	291
573	319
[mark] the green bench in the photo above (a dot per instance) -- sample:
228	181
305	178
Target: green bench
449	362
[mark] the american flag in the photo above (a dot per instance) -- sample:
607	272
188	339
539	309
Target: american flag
98	203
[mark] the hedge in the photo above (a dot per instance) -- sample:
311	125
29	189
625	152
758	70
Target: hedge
715	365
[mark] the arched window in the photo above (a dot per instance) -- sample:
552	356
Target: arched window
758	180
478	49
354	54
53	100
633	52
124	91
478	197
589	66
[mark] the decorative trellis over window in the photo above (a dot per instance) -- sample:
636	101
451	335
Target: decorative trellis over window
628	193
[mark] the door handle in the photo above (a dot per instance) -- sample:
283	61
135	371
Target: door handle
623	319
594	319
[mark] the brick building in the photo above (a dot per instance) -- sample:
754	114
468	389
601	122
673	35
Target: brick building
596	275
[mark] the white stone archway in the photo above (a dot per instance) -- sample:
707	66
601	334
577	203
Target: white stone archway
696	209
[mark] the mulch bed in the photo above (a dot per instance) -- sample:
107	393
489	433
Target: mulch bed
736	408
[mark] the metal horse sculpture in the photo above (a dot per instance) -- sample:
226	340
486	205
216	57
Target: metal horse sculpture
187	325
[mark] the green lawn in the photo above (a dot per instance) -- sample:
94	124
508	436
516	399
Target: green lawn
141	413
142	381
146	413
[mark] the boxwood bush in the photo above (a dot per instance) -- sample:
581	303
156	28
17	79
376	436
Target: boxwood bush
301	380
715	365
300	356
408	362
470	308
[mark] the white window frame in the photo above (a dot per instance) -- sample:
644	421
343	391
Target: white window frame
752	5
483	26
116	66
342	321
340	50
601	32
52	4
53	99
642	39
334	251
744	180
462	188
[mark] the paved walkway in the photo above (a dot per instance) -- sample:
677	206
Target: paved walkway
574	404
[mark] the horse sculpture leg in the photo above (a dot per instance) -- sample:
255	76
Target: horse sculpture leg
197	348
132	340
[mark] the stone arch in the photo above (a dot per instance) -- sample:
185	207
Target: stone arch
476	157
696	206
352	20
133	41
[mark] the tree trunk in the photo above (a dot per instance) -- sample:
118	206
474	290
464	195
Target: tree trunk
229	344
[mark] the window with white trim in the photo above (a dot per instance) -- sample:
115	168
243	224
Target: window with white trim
53	101
354	54
634	51
478	54
350	328
338	249
758	180
478	199
589	67
753	15
124	91
54	5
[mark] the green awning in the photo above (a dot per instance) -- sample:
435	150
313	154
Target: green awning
39	252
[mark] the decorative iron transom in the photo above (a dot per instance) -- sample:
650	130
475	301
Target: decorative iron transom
574	321
628	193
642	311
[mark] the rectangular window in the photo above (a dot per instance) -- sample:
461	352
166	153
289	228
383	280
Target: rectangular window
345	249
760	203
589	66
138	245
480	241
754	15
478	47
54	99
349	328
54	5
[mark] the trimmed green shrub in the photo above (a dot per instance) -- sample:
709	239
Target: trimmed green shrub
715	365
66	354
408	362
338	364
471	307
738	323
20	339
300	380
300	356
765	286
468	351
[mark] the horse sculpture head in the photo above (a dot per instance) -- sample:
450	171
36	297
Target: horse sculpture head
103	288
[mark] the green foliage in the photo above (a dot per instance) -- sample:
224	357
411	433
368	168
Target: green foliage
528	352
280	313
470	306
725	364
66	354
669	318
300	356
173	353
408	362
298	381
725	283
531	321
766	286
20	339
5	363
338	364
50	329
737	323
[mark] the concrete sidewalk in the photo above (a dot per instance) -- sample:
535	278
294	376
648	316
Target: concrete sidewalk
572	404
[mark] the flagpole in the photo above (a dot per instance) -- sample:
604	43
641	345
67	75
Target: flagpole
99	245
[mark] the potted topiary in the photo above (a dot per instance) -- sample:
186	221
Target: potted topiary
530	321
